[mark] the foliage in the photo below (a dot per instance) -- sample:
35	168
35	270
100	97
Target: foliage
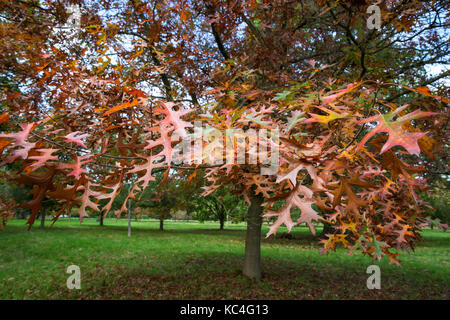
220	206
439	199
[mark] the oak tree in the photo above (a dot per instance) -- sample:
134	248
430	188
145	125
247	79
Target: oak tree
107	101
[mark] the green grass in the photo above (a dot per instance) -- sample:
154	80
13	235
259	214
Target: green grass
196	261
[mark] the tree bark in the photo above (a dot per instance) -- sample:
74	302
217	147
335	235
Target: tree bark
252	260
101	219
43	217
161	224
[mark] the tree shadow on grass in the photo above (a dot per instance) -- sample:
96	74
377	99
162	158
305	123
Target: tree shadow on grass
218	276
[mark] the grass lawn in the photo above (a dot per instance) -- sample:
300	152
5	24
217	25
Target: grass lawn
196	261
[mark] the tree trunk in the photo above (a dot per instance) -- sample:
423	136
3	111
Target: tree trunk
43	217
161	224
101	219
252	260
222	220
327	228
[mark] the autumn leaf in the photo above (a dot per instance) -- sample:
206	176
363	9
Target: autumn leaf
296	117
326	119
42	159
85	200
42	183
173	118
165	141
4	118
352	201
76	167
426	91
339	93
147	167
20	137
300	197
76	137
397	136
121	107
20	140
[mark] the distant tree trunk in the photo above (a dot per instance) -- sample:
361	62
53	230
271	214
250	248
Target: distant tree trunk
222	216
129	218
43	217
252	260
161	223
327	228
101	219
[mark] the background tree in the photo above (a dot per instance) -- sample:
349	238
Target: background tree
161	205
220	206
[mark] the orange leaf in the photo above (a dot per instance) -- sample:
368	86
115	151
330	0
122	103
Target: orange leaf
121	106
192	176
427	92
4	142
4	118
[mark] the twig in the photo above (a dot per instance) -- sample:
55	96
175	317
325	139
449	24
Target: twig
363	125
